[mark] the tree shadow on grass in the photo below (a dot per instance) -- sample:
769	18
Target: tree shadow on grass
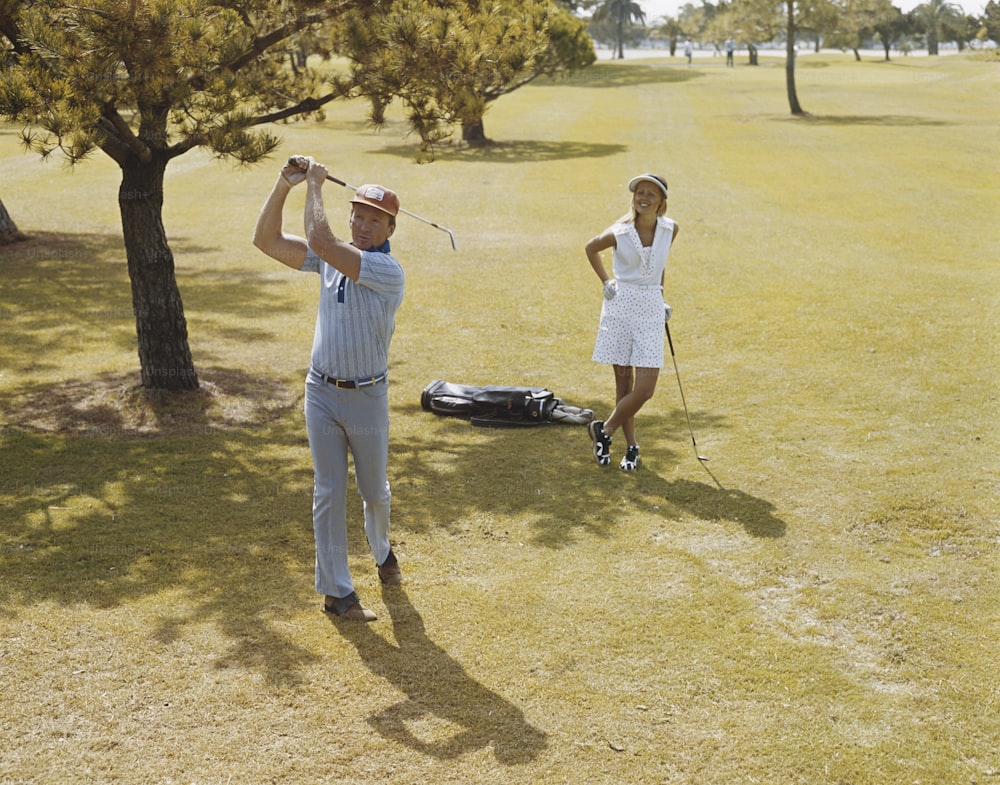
513	152
454	473
205	503
624	74
439	693
57	282
123	498
64	289
117	406
203	499
888	120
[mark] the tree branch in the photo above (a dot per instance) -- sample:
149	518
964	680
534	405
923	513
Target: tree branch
492	95
264	42
10	30
307	105
120	141
189	143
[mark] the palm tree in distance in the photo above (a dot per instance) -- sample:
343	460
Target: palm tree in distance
621	12
937	16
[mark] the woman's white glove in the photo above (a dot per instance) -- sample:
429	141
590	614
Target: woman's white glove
610	289
667	313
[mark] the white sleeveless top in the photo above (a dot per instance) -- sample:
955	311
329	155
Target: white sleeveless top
636	264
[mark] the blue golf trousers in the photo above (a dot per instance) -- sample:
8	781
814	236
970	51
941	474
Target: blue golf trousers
338	421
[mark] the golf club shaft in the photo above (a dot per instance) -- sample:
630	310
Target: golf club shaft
332	179
677	373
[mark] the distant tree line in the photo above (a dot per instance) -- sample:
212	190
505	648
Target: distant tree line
849	25
844	24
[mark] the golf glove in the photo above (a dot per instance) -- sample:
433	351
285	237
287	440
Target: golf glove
293	178
610	289
667	313
294	170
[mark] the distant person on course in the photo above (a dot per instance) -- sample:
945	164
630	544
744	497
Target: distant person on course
347	386
630	334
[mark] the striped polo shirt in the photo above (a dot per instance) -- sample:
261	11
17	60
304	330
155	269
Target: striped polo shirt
356	319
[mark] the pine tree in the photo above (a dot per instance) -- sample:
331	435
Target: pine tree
144	83
447	62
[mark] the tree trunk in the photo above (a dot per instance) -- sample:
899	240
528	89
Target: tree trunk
474	134
857	55
752	51
887	46
164	356
8	230
793	98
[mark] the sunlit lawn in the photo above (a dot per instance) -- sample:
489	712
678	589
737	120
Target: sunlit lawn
829	616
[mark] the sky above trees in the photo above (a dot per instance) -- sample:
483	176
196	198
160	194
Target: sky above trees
655	9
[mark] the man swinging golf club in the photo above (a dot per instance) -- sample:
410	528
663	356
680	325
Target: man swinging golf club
347	386
630	335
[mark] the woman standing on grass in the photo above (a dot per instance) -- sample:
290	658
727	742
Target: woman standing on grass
630	335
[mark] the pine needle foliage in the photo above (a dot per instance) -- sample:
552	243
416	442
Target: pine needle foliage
145	82
447	62
159	78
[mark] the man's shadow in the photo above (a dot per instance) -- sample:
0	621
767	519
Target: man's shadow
438	692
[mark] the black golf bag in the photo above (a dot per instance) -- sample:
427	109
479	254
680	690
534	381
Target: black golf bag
500	407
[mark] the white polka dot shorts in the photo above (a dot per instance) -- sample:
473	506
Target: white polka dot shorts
631	328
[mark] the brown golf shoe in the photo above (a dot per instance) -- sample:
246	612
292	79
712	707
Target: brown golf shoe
389	572
348	607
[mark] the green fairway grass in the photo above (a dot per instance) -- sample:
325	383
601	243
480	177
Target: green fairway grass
829	615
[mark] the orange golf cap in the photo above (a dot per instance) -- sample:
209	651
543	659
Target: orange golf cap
378	197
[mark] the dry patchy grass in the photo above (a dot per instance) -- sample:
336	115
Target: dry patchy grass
828	616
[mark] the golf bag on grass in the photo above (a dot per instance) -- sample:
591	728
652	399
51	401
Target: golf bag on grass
500	407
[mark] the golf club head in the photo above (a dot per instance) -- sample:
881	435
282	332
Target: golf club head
703	462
